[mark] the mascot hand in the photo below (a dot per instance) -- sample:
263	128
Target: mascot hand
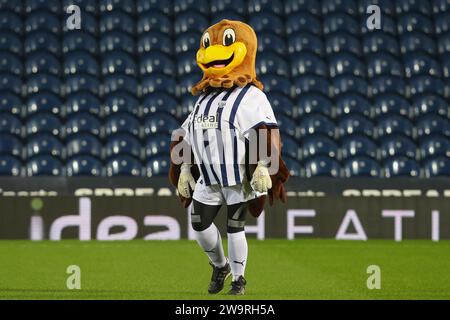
261	181
186	181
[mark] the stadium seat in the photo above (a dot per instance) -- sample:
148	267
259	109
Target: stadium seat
120	82
405	6
121	102
311	83
379	41
294	6
440	6
9	63
42	41
190	21
295	169
432	124
414	22
272	6
82	41
185	42
338	21
281	104
346	63
430	104
117	21
386	6
445	58
267	22
82	82
426	84
382	63
311	103
186	65
186	82
391	104
274	83
317	145
157	41
397	146
316	124
84	166
10	145
322	166
394	124
10	42
84	144
307	63
80	62
124	165
53	6
11	83
349	83
160	102
118	63
43	102
83	102
44	144
150	6
434	146
82	123
122	123
154	21
158	166
272	63
116	41
437	167
107	6
305	42
355	145
44	165
10	124
90	24
442	22
122	144
237	6
89	6
42	20
9	21
417	42
301	21
355	124
345	6
160	122
401	167
42	82
338	42
361	167
10	166
444	43
43	123
10	103
388	84
352	103
158	83
157	144
290	147
201	6
11	5
269	42
421	64
287	126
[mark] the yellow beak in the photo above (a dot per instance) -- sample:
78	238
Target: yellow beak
218	60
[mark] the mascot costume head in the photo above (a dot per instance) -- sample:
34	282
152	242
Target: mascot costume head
227	56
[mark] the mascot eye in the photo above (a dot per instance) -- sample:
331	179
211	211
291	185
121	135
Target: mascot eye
206	40
229	37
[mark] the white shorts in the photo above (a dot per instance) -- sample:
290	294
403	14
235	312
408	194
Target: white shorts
215	195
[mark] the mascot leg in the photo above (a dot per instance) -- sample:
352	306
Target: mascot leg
206	232
237	242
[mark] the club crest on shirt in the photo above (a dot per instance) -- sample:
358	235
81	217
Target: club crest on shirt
206	122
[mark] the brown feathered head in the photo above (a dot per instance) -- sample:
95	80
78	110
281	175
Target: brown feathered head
227	56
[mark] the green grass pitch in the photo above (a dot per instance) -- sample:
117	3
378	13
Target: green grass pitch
276	269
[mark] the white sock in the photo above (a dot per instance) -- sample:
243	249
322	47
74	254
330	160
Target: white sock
237	252
211	242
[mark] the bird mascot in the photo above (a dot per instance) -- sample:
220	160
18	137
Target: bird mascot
228	150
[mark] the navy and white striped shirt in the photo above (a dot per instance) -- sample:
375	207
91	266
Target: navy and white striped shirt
217	130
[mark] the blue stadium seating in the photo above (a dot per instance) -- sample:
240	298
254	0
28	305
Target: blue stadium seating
103	100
